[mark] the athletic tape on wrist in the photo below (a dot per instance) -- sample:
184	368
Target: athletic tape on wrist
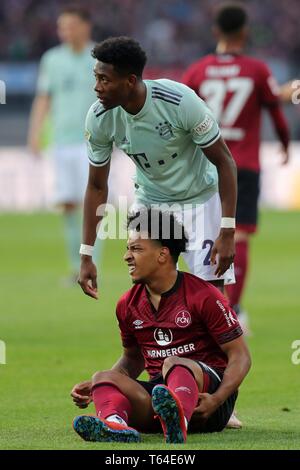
86	250
228	222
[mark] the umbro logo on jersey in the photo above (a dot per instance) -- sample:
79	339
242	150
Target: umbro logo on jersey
165	130
138	324
183	319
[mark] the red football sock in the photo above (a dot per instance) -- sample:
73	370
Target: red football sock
240	269
182	382
109	400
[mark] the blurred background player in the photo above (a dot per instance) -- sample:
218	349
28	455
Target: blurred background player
181	330
237	88
180	157
65	90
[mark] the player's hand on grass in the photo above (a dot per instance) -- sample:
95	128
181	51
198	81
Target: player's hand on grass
224	248
82	394
88	277
207	405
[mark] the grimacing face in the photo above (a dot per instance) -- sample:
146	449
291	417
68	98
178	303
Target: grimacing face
142	256
112	89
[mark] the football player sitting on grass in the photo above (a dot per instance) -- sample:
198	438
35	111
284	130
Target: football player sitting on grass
178	328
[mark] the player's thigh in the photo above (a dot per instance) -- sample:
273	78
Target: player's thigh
202	224
194	366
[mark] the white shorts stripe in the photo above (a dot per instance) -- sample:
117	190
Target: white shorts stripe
205	366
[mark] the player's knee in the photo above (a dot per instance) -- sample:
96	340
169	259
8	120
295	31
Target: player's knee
171	362
105	376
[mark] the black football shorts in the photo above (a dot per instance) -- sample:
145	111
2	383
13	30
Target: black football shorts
212	379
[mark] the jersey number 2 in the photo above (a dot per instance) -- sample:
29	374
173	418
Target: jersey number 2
209	244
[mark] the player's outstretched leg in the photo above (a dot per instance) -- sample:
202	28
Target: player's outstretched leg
91	428
169	410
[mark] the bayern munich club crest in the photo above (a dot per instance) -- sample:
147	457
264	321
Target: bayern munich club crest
183	319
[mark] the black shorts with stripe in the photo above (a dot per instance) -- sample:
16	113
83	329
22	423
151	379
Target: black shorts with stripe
211	382
247	200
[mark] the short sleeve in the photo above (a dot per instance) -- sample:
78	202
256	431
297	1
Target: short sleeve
220	320
99	145
127	337
268	87
198	119
44	82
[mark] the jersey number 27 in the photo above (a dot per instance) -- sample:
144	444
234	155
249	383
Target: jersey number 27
214	91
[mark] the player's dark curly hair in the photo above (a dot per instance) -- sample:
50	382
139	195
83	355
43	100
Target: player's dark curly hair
231	17
161	226
124	53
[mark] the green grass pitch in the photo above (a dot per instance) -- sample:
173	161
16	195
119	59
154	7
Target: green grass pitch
56	336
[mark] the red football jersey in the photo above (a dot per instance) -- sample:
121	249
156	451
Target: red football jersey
236	88
192	321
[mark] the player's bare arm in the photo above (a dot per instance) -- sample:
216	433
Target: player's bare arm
95	196
39	111
282	130
220	156
239	363
131	363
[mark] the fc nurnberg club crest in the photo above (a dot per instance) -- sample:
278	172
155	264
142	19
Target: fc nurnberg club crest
165	130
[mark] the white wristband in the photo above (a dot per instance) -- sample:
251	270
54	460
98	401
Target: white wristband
227	222
86	250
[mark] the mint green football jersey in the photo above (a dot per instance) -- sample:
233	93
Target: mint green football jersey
164	140
67	77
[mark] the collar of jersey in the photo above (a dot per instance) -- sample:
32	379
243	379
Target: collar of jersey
173	289
146	106
175	286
